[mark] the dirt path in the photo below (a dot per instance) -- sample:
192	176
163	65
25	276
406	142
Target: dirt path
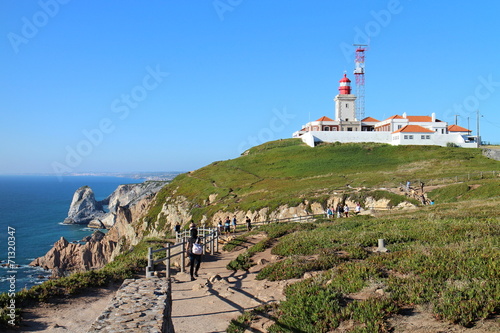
208	304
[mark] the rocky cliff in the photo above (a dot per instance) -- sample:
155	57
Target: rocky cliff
126	196
65	256
492	153
84	208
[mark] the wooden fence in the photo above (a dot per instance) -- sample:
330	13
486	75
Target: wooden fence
210	238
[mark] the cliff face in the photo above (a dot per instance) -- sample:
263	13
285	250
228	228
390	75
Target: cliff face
84	208
129	196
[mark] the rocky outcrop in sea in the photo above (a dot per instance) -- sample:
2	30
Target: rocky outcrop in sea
84	207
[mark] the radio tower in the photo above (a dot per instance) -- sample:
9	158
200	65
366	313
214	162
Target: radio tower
359	73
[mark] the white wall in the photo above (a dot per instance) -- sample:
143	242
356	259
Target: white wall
346	137
310	138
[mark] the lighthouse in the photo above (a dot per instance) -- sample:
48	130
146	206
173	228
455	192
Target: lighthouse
345	86
345	107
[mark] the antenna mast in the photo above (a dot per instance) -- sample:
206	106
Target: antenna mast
359	73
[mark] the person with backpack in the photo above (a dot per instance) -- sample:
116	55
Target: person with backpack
195	251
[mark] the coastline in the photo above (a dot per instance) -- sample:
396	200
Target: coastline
35	207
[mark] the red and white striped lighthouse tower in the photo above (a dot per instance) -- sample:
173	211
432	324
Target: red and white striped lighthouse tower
345	107
345	86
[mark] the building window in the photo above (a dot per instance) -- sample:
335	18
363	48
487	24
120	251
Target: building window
428	137
422	137
406	137
399	126
411	137
326	128
346	105
349	129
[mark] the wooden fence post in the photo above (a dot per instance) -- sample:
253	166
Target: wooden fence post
149	269
217	241
167	263
183	257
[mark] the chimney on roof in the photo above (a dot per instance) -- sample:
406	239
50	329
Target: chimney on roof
404	115
433	115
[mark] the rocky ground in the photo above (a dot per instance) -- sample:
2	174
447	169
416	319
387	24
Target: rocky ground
217	296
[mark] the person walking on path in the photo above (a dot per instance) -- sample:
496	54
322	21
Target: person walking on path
233	223
220	228
346	210
193	231
340	210
329	213
195	251
227	225
249	223
357	209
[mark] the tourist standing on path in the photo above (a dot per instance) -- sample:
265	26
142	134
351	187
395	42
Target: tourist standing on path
357	210
233	223
329	213
340	210
227	225
220	228
177	228
249	223
346	210
194	250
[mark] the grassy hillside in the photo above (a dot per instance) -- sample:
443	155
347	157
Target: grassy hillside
288	172
443	259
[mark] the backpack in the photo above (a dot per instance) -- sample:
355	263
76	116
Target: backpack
197	248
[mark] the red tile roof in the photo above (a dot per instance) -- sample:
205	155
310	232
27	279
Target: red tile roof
456	128
419	119
324	118
395	117
370	120
413	129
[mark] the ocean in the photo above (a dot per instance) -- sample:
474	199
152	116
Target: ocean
32	209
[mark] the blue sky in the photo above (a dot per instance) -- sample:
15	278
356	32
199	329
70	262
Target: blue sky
174	85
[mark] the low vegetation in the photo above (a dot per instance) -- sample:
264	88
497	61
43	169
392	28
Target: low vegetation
443	257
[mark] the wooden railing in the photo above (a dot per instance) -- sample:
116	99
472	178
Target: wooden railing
209	237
